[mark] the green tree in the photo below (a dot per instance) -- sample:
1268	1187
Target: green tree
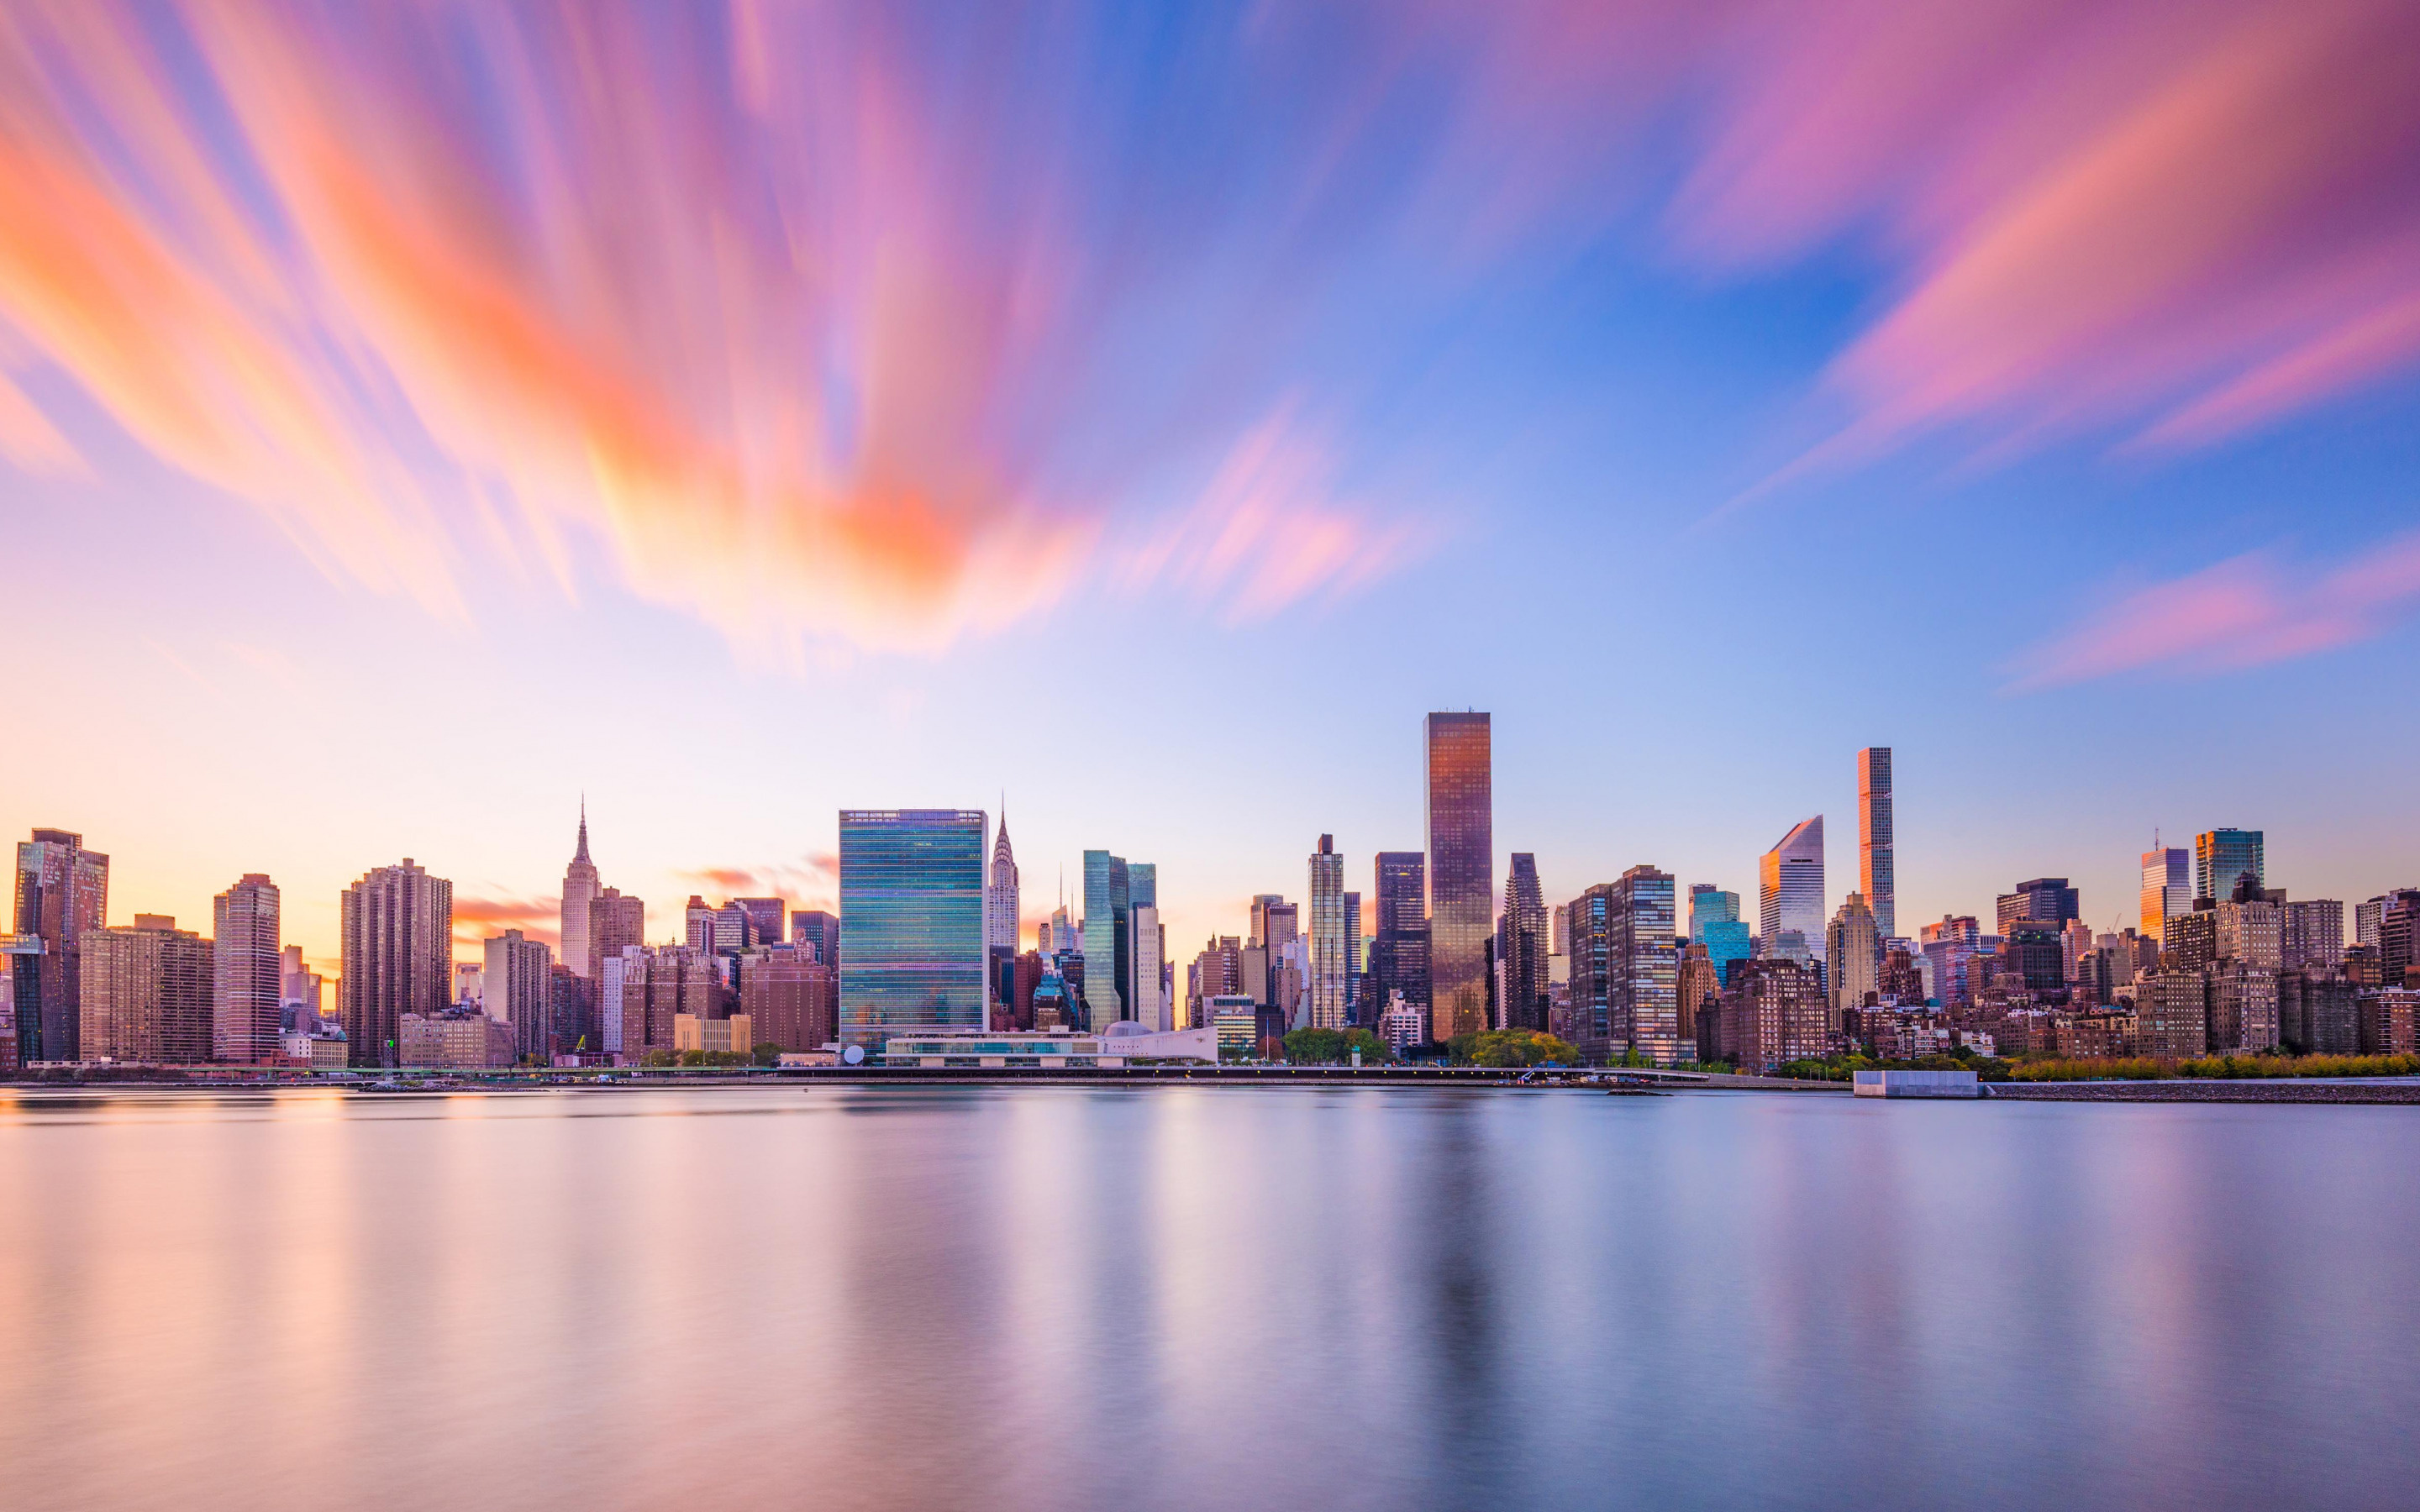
1315	1048
1335	1047
1511	1049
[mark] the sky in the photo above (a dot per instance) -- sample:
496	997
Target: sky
415	417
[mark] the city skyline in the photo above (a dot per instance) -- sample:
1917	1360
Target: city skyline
480	929
1758	378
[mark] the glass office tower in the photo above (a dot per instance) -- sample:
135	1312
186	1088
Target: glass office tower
1877	859
1399	948
1645	966
1107	948
1462	872
1789	892
911	915
2165	889
2222	856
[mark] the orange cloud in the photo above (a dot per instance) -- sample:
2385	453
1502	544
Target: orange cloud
477	918
815	339
808	882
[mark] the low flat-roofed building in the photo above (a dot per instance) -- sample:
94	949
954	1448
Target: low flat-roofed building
733	1036
459	1041
1049	1051
1918	1084
1232	1018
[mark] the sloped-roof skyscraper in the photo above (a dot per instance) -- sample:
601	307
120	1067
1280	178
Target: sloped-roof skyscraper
1789	891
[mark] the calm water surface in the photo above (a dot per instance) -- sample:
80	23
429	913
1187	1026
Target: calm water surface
1181	1298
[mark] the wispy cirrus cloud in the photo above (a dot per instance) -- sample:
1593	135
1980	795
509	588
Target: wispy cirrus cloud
1268	529
2247	611
798	323
2166	224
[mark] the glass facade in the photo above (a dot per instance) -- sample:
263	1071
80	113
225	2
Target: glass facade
1521	946
1877	866
1791	887
1108	909
1461	872
1726	944
2165	889
2221	857
1399	948
1591	921
1646	967
911	915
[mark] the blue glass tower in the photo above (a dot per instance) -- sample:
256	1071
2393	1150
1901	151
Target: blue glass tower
1108	911
911	920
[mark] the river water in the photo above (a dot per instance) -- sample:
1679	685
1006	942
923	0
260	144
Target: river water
1045	1298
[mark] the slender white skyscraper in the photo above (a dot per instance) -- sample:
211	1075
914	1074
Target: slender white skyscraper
1877	871
1791	887
578	889
1000	893
1328	936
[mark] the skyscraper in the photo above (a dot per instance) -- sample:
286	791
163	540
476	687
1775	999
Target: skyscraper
1399	947
1789	895
2041	900
615	921
145	993
2315	934
1143	1001
1715	923
1877	868
246	971
397	930
1143	983
1001	900
1461	871
1853	955
62	890
1106	951
1646	962
1329	948
2167	890
1592	920
520	991
1356	963
911	910
768	918
579	888
2222	856
1522	946
817	928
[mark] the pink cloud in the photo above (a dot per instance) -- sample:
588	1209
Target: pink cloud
1267	530
2248	611
786	320
2178	222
